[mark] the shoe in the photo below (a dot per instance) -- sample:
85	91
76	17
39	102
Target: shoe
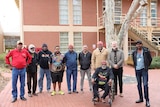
121	95
81	89
40	91
75	91
69	92
96	99
147	104
139	101
35	94
103	100
14	100
53	93
29	95
61	92
49	91
90	89
23	98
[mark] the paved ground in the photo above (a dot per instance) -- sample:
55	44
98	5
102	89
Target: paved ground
84	99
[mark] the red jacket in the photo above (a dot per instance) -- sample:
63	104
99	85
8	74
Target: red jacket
20	59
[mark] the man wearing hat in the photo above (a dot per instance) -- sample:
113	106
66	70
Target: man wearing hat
44	61
142	60
20	59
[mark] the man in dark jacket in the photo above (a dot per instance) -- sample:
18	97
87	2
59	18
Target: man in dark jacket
102	78
85	66
44	60
32	71
142	60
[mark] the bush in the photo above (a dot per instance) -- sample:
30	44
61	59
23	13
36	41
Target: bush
155	63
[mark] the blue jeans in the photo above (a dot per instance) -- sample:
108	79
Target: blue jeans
15	73
41	76
70	73
142	74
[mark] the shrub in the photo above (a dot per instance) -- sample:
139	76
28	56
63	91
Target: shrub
155	63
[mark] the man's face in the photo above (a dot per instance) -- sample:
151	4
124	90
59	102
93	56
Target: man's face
100	46
44	48
57	50
70	49
114	45
139	46
85	48
19	46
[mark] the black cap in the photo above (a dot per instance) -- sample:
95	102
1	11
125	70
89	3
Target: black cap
44	45
139	42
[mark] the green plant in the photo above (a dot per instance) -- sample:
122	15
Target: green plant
155	63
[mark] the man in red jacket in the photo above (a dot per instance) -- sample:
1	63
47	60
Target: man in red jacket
20	59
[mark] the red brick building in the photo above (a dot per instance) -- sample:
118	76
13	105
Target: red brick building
77	22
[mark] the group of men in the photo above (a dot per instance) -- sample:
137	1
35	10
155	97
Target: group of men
107	65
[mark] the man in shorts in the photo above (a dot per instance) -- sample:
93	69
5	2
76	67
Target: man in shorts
57	69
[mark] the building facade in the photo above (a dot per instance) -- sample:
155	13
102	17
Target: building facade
79	22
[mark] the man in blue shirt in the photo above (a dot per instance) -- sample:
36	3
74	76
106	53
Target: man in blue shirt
70	60
142	60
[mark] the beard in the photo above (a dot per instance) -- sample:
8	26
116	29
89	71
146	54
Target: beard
104	66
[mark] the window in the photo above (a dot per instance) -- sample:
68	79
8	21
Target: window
118	11
63	11
154	12
64	41
143	17
77	41
77	12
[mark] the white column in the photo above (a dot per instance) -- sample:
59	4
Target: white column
21	20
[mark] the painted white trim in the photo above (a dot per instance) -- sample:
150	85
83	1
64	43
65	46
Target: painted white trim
21	20
33	28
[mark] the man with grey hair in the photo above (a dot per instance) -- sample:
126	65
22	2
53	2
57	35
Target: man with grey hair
85	66
116	60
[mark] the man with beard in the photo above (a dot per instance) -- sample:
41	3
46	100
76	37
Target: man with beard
57	70
116	60
142	60
102	78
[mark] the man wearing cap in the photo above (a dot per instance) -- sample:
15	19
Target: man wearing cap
44	61
142	60
32	72
70	60
116	60
20	59
99	54
102	78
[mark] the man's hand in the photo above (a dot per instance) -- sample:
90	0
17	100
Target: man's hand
10	66
110	82
115	66
93	81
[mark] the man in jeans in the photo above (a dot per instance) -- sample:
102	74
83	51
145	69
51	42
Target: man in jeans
20	59
85	66
142	60
44	60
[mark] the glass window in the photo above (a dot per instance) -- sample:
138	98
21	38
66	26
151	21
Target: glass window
77	12
64	42
118	11
63	11
77	41
154	12
143	17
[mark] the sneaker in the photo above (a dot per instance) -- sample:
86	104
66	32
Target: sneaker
35	94
96	99
81	89
103	100
75	91
69	92
53	93
61	92
121	95
29	95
